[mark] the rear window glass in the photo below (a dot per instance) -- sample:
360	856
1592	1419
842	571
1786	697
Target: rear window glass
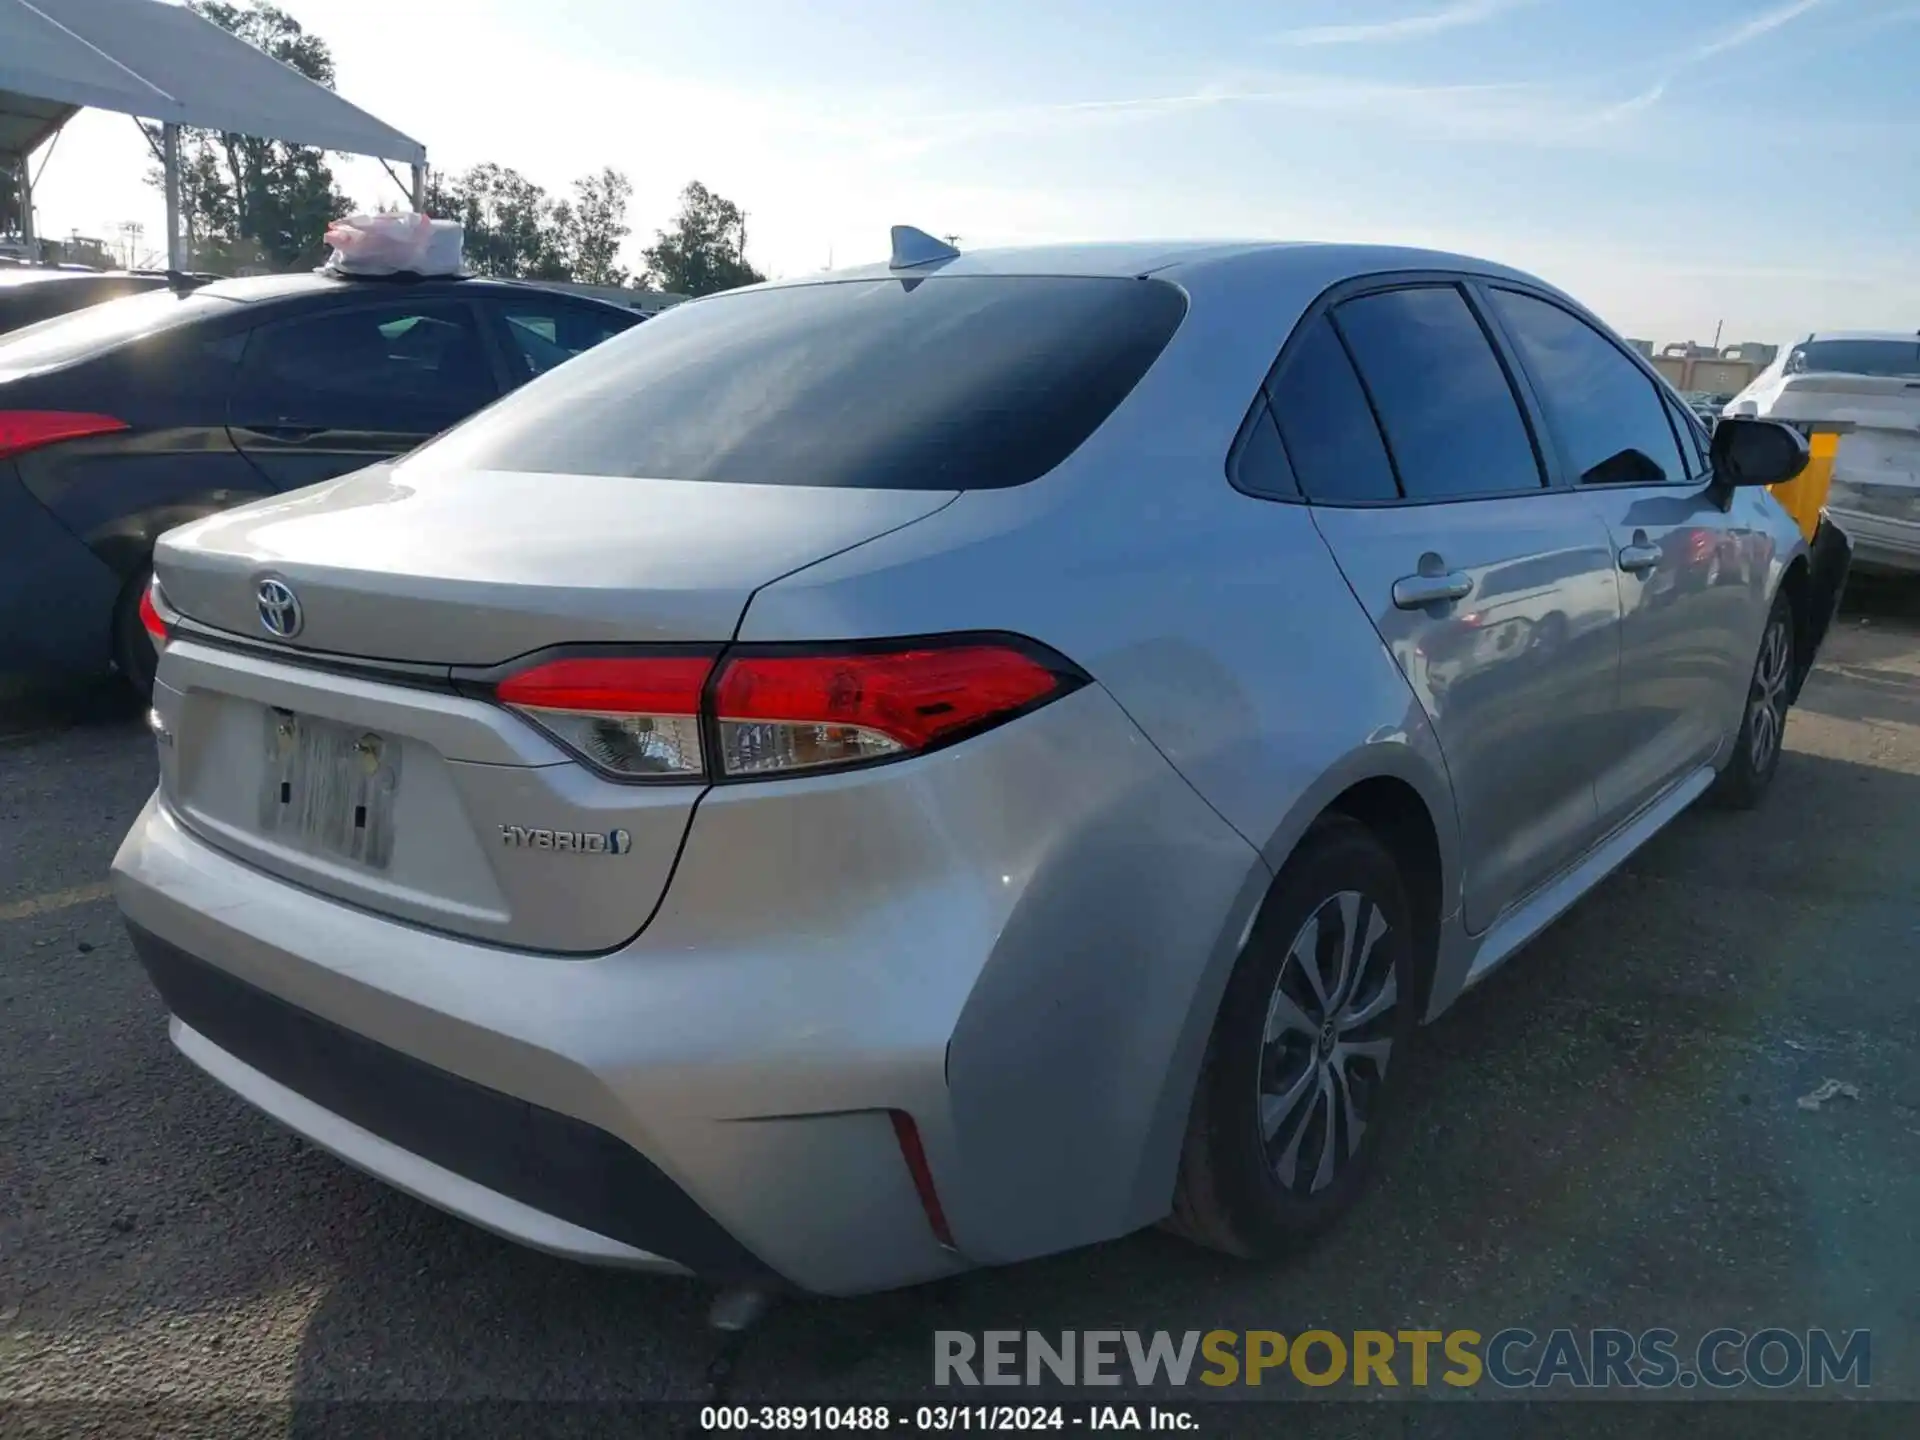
81	333
28	304
958	383
1856	357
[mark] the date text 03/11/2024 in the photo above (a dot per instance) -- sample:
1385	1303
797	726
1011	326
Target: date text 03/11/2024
942	1419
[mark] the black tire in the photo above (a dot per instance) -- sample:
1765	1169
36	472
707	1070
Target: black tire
1744	780
133	652
1233	1192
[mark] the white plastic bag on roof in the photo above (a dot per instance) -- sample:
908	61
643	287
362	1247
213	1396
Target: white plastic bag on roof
392	244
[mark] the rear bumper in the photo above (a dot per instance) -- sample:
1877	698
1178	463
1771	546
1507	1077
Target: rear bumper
1881	542
1019	942
520	1170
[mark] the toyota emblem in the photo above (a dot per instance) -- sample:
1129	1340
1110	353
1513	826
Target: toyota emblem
279	609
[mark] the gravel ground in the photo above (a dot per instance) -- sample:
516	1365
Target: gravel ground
1606	1133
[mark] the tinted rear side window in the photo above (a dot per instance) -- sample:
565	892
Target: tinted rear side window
958	383
1326	424
1258	464
1600	404
1451	420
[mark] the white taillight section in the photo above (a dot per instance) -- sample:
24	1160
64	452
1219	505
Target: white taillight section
636	717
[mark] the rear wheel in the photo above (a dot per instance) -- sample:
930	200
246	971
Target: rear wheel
1763	726
133	650
1302	1068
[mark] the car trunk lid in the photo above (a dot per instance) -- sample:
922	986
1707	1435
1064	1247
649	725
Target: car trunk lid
1876	469
476	568
343	758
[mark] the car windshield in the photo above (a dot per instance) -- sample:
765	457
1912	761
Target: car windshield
955	383
81	333
1856	357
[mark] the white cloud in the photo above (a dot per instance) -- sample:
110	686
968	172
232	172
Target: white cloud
1456	16
1748	31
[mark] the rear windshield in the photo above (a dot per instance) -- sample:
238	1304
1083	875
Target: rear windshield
1856	357
81	333
965	382
28	304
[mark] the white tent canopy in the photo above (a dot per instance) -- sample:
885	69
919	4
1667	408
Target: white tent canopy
162	62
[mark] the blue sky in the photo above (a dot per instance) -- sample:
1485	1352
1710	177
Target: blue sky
1675	163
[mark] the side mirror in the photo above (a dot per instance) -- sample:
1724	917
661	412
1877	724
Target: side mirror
1756	452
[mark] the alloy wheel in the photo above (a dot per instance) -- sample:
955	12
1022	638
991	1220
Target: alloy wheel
1327	1042
1767	703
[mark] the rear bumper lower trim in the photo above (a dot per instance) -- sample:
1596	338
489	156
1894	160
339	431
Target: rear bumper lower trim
546	1179
406	1171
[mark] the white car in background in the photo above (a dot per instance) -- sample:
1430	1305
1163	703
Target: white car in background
1868	380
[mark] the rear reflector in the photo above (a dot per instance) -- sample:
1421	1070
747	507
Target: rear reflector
778	711
24	430
915	1154
634	717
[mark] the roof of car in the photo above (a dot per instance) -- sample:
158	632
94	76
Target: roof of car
1896	335
1174	259
253	289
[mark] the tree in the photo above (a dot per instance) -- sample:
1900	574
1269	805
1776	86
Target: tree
592	227
244	198
514	229
704	250
509	222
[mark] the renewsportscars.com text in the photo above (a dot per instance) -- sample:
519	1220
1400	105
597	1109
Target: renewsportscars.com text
1512	1358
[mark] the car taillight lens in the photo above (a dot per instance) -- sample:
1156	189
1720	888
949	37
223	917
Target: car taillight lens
636	717
782	710
150	619
789	712
156	616
24	430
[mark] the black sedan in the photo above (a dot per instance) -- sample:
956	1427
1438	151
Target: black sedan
123	420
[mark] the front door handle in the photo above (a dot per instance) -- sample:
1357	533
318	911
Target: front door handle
1639	557
1416	592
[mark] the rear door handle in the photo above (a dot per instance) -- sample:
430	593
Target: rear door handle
1638	558
1415	592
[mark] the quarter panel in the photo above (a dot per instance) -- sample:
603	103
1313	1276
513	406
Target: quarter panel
1005	939
1219	623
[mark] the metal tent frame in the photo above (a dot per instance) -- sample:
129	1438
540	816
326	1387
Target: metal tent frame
160	61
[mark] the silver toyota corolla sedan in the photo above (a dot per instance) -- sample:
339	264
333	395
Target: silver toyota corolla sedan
931	765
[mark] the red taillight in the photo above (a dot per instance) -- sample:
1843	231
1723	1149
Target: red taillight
634	716
774	712
915	1154
151	619
798	712
23	430
621	685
